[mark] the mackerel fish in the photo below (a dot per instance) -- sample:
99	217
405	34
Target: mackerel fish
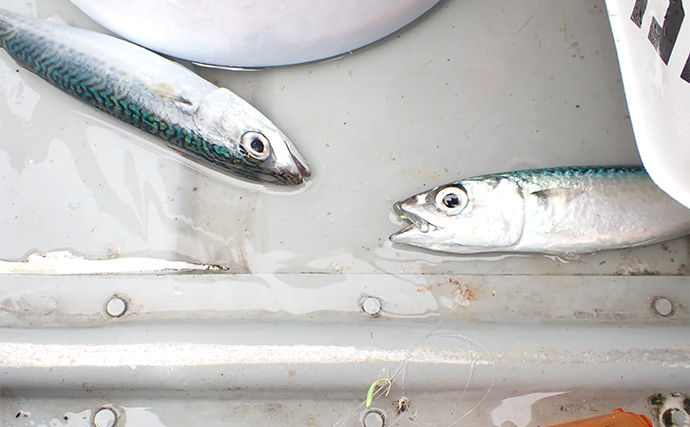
553	211
208	124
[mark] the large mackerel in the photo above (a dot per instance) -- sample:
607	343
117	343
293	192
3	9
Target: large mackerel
208	124
554	211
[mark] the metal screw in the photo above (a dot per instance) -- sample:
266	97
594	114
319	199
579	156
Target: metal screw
663	306
371	306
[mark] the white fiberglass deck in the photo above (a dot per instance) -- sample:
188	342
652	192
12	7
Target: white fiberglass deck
307	302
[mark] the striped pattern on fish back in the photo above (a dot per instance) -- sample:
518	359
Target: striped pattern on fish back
575	176
89	80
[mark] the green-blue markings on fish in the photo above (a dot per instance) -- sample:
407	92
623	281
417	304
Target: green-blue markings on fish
554	211
208	124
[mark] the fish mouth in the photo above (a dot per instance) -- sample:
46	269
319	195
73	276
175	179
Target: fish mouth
297	166
296	172
301	164
413	220
299	161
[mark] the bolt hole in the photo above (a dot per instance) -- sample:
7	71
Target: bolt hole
371	306
373	417
105	417
675	417
663	306
116	306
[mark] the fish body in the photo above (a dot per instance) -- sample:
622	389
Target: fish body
208	124
553	211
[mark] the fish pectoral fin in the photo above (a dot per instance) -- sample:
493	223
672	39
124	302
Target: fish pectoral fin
55	19
169	92
563	195
211	110
220	97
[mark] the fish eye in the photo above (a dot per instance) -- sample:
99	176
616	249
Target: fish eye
256	145
451	200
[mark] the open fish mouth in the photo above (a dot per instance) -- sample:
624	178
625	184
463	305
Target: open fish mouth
295	167
414	220
301	164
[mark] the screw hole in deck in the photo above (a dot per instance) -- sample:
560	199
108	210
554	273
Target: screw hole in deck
662	306
372	417
105	416
371	306
675	418
116	306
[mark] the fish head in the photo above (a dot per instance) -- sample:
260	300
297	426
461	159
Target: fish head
271	156
259	150
469	216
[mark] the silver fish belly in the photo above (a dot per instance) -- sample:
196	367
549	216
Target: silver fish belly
552	211
207	124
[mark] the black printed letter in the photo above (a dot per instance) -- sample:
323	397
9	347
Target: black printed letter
685	74
638	12
663	38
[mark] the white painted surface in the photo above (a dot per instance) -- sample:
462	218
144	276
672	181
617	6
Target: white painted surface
471	88
658	98
64	262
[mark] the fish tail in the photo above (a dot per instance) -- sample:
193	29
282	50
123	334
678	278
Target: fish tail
31	50
34	47
7	30
39	47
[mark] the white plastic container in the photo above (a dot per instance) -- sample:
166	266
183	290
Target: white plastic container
653	45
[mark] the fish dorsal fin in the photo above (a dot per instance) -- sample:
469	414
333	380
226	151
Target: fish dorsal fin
220	96
55	19
213	105
169	92
208	116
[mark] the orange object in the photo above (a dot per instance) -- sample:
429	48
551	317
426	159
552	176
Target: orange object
617	418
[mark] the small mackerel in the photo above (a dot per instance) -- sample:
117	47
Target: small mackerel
554	211
208	124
